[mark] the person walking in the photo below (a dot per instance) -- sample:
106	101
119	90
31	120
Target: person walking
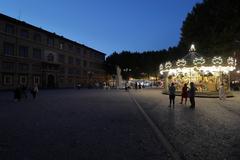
172	92
191	93
24	91
184	93
221	91
136	85
34	91
18	94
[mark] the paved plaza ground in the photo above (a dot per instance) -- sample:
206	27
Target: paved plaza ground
74	125
107	124
210	131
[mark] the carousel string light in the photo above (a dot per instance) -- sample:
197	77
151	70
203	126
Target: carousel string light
199	61
160	67
231	61
168	65
181	62
217	60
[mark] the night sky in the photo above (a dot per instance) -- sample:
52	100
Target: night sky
107	25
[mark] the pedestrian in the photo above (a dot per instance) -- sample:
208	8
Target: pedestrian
34	91
191	94
172	91
221	91
17	93
126	86
139	85
184	93
136	85
24	91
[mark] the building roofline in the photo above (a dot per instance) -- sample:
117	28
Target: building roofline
47	32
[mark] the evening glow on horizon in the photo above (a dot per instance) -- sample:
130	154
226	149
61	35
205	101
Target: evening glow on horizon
106	25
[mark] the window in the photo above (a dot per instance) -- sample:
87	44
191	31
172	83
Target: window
61	58
36	80
7	79
50	41
78	50
9	28
84	63
62	70
78	71
71	71
23	51
8	66
23	67
23	80
8	49
37	53
37	37
70	46
78	61
24	33
50	57
70	60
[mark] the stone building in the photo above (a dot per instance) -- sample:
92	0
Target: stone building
30	55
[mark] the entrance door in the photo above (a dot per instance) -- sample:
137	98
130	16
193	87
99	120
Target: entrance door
51	81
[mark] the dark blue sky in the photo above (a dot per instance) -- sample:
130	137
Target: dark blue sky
107	25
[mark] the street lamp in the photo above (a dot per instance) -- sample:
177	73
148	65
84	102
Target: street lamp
127	70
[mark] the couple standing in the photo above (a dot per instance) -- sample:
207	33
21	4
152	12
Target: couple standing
185	93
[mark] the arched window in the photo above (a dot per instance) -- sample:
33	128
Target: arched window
50	57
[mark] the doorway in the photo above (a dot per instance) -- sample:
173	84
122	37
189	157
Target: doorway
51	81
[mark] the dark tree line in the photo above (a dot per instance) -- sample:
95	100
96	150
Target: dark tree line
213	26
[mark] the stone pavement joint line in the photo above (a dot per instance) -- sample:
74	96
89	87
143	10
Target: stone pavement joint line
158	133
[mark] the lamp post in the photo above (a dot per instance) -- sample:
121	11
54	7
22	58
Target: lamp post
127	70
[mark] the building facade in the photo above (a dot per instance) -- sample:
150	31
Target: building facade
30	55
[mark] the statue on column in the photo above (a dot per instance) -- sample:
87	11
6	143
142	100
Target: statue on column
119	78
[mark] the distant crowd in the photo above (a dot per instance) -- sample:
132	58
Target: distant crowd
22	92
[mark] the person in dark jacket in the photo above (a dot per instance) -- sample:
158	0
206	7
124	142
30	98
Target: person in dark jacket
191	93
184	93
17	93
24	91
172	91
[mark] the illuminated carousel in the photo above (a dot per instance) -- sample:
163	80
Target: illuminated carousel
206	73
